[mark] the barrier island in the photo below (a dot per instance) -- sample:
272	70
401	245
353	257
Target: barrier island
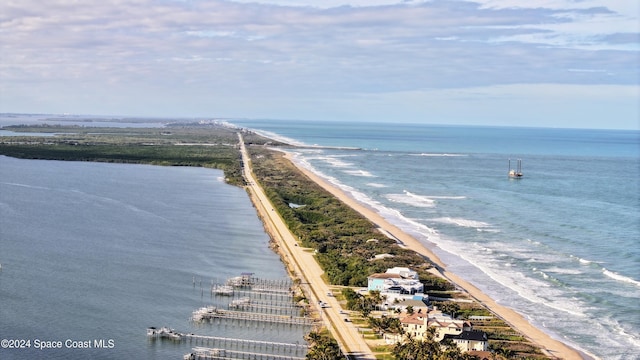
345	238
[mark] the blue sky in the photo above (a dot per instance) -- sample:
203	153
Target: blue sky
560	63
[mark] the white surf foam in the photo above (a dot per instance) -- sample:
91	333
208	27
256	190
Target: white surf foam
621	278
584	261
438	155
408	199
27	186
335	161
362	173
558	270
377	185
462	222
489	230
277	137
416	200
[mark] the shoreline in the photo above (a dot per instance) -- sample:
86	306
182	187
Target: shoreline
547	344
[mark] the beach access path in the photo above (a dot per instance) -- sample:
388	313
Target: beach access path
306	268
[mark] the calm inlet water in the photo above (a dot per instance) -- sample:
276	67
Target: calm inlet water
560	245
102	251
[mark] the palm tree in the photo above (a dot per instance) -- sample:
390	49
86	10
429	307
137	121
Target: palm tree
428	349
313	337
324	347
450	308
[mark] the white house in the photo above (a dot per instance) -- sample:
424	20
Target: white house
396	299
417	324
470	340
404	272
400	280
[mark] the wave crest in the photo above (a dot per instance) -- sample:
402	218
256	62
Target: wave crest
619	277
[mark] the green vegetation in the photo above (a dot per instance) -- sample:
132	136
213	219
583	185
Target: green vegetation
503	340
357	302
323	346
204	146
429	349
341	237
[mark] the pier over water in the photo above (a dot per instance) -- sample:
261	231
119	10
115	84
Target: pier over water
243	302
228	348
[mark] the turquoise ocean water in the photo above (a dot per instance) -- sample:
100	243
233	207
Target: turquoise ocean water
94	251
560	246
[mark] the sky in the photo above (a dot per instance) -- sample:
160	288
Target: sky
552	63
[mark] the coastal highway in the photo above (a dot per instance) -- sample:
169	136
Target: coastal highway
306	267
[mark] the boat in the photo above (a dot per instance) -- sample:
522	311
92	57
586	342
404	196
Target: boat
203	313
244	280
223	290
517	172
163	333
239	303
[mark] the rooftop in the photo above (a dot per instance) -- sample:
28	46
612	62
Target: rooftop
385	276
473	335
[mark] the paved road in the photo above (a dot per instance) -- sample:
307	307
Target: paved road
346	333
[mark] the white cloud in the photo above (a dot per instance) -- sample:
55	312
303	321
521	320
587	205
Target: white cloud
327	4
190	52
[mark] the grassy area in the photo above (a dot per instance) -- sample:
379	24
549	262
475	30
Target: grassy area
338	234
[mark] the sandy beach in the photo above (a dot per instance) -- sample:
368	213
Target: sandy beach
551	346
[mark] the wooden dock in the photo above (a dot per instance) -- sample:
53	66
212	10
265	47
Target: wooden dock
260	293
266	309
202	353
214	313
247	280
252	349
243	301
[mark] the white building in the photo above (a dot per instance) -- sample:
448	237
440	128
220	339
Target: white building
400	280
470	340
404	272
417	324
393	283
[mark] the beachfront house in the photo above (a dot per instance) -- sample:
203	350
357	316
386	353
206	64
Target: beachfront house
400	280
416	325
473	340
379	282
404	272
418	305
395	300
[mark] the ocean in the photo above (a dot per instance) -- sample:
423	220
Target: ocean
95	253
559	246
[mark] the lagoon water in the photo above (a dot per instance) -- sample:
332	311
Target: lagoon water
102	251
560	246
